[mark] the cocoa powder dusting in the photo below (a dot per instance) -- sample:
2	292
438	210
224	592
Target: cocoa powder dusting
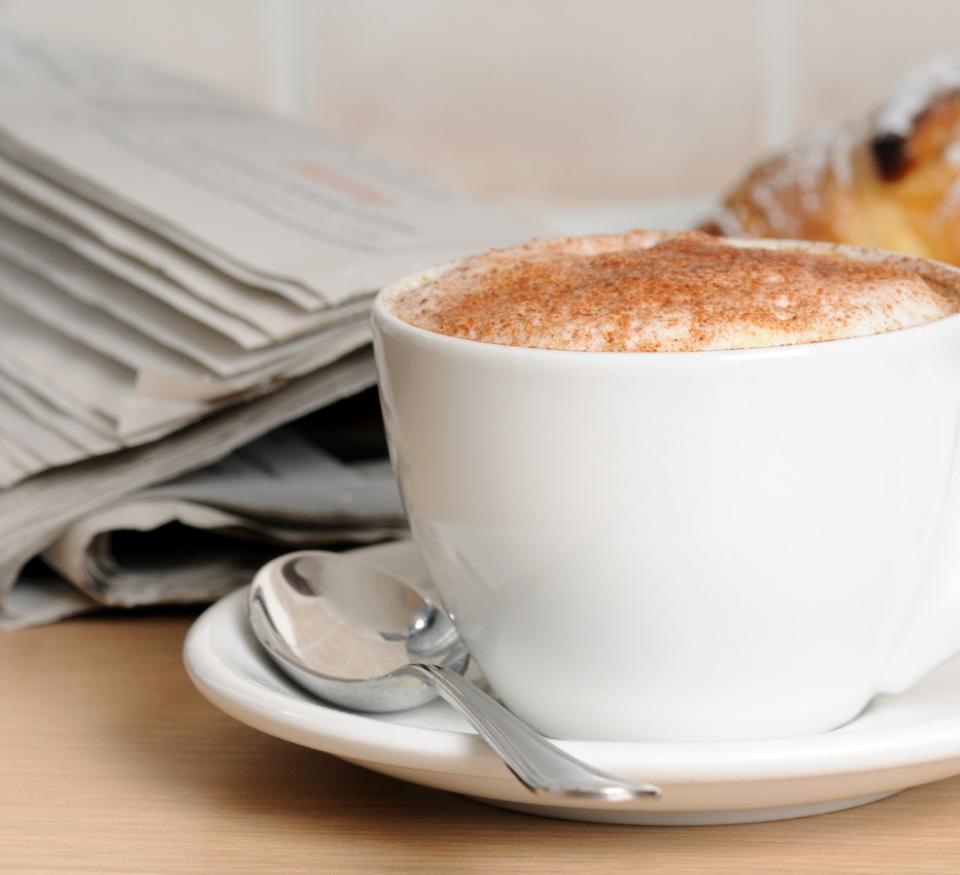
649	291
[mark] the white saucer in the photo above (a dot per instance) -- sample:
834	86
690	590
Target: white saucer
898	742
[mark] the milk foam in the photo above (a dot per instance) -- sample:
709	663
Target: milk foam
653	291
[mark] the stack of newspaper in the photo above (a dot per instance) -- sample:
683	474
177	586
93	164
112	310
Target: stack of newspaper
179	273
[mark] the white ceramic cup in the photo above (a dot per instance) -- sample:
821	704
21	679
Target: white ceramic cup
686	546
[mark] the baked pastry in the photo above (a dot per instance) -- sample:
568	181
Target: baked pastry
890	180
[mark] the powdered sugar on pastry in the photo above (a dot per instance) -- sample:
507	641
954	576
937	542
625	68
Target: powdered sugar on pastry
915	93
786	190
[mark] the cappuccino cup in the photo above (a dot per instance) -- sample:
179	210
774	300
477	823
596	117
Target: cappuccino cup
710	544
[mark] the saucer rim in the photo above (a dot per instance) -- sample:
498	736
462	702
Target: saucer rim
366	737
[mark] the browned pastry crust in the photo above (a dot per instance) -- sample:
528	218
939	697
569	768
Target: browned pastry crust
888	181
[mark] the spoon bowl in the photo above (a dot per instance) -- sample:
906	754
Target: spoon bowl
343	630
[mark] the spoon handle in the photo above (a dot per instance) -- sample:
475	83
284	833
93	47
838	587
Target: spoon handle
541	766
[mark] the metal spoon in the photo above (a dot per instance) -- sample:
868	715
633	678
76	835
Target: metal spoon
360	638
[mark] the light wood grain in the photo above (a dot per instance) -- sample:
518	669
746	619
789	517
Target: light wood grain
111	762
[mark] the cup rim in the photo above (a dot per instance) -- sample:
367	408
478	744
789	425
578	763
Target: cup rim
941	271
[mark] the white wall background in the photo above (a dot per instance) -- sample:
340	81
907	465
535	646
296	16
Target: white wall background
547	102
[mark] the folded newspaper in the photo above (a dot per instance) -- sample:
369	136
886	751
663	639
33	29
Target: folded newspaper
279	493
179	274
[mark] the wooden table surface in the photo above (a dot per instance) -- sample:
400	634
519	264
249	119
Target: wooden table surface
112	762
